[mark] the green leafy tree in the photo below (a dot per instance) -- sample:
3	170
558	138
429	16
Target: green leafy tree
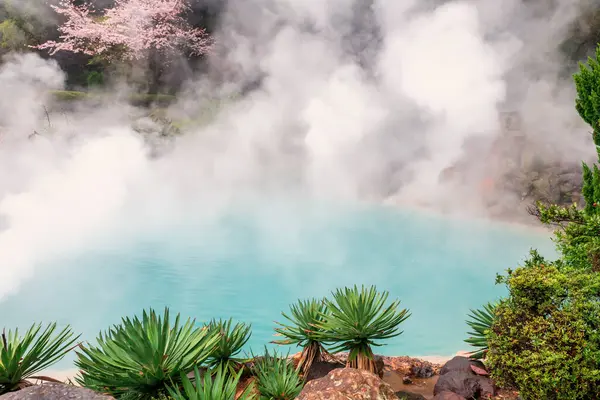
545	338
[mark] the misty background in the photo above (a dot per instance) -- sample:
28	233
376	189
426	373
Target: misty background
462	107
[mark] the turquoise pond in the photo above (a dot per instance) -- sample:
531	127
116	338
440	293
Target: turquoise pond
252	265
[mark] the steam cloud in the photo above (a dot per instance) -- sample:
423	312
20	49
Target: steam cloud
355	101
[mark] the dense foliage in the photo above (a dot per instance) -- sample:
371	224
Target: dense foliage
23	356
545	339
545	336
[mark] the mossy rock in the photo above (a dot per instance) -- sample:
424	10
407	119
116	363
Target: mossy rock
140	100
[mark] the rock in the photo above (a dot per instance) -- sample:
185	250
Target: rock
345	384
448	396
460	363
459	382
479	371
406	380
409	396
54	391
320	369
459	376
412	367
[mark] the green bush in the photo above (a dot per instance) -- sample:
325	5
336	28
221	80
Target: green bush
304	330
23	356
139	359
545	339
94	78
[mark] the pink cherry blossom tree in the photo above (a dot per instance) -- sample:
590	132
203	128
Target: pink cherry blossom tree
129	31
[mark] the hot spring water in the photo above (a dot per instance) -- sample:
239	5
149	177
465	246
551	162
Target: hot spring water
251	265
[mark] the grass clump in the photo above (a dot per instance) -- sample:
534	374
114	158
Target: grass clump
219	386
276	377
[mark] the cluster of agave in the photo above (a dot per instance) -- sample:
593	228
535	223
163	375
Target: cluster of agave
153	357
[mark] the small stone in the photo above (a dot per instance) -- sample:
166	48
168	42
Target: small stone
406	380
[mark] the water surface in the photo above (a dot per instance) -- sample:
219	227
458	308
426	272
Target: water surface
250	264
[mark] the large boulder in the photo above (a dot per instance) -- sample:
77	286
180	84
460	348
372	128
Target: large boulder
459	376
348	384
54	391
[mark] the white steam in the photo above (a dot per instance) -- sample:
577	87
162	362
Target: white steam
355	102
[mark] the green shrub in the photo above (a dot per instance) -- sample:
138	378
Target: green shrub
357	320
94	78
480	322
276	377
229	346
22	357
545	339
220	386
140	358
305	330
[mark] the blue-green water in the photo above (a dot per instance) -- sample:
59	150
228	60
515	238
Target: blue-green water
250	265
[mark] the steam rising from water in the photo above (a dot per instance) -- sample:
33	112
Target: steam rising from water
354	103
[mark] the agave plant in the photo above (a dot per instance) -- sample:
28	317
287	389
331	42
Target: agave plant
220	386
358	319
138	359
480	321
276	377
231	341
22	357
305	331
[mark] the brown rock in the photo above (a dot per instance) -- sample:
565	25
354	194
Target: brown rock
54	391
412	367
348	384
459	376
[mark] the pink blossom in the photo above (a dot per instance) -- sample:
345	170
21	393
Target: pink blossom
131	28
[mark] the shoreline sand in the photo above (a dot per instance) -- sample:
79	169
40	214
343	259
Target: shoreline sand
69	374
